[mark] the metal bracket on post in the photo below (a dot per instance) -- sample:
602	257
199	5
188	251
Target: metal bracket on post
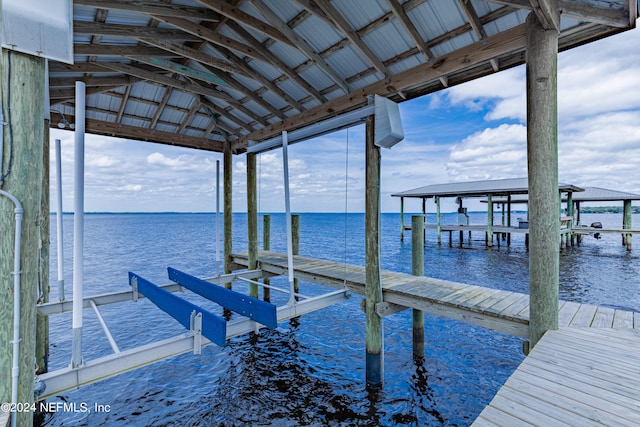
134	288
196	328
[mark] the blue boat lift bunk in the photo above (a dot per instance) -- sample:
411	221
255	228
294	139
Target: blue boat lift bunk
203	326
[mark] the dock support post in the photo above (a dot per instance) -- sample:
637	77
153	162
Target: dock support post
266	245
438	222
401	219
489	220
417	269
509	219
252	218
424	218
227	171
626	223
542	156
373	289
571	236
42	323
24	126
295	234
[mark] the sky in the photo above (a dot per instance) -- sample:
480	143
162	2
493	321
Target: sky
473	131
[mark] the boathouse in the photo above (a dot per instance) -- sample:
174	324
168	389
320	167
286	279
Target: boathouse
239	77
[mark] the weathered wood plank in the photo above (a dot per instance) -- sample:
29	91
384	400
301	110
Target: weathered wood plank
622	319
584	316
567	312
603	318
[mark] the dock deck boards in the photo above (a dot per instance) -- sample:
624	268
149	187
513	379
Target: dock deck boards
586	373
501	310
573	376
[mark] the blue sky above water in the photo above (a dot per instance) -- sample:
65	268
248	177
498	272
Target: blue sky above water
473	131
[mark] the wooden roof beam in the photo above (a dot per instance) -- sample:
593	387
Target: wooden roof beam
224	113
547	13
211	36
236	14
196	55
509	41
123	104
341	24
113	81
185	86
160	107
183	70
189	116
250	72
274	61
119	50
411	29
130	31
474	20
616	14
300	43
153	8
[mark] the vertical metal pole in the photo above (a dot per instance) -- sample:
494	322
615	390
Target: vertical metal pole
287	204
227	164
542	156
59	213
417	268
78	226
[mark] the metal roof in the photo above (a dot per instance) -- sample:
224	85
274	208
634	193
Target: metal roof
497	187
590	194
198	73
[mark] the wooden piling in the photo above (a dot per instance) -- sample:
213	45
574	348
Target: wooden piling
373	289
489	220
542	157
227	162
295	234
23	105
438	220
401	219
266	245
252	218
42	322
626	223
417	269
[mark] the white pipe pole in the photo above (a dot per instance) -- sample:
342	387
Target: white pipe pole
78	226
59	213
217	217
15	370
287	203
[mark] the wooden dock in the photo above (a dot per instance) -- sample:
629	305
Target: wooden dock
586	373
495	309
573	376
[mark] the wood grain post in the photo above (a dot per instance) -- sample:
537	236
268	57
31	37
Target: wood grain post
401	219
489	220
626	223
438	221
266	245
295	234
252	218
227	162
542	156
373	289
571	237
42	322
417	269
23	106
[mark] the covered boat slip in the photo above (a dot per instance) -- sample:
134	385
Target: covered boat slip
508	192
228	76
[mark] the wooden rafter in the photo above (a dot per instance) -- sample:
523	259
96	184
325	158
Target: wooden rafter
301	44
547	13
234	13
131	31
119	50
599	12
123	103
153	8
411	29
344	27
189	116
161	106
224	113
503	43
473	19
273	60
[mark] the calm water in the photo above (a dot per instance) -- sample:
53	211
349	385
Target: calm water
310	371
